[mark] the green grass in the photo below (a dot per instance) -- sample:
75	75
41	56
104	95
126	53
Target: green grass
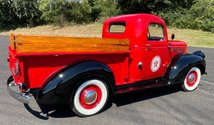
195	38
192	37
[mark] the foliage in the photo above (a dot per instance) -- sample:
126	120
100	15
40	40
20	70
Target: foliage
169	10
80	12
194	14
53	11
156	6
104	9
26	10
6	11
61	11
18	12
200	16
173	10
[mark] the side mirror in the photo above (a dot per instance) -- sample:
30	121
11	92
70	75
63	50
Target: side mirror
173	36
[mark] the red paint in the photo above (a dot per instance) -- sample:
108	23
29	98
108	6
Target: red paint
192	83
83	93
177	47
36	68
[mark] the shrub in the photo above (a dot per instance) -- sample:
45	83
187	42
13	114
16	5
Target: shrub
105	9
27	11
80	12
62	11
86	11
6	12
18	12
199	16
53	11
194	14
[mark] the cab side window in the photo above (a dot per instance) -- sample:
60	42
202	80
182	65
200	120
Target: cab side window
155	32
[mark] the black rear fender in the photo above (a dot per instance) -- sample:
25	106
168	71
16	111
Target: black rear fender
58	89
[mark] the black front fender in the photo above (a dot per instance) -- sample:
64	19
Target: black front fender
58	89
181	64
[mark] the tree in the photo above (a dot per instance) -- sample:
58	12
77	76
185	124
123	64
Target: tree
27	11
18	12
62	11
103	9
6	12
170	10
199	16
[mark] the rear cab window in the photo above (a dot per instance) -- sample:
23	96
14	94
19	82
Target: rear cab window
117	27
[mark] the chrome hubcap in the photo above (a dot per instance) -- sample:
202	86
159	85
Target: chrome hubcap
90	97
191	78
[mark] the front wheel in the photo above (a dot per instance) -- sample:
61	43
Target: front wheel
192	79
90	97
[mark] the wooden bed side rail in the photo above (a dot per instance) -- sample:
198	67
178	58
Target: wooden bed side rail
12	41
31	44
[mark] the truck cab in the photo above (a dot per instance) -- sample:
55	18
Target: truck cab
134	53
150	50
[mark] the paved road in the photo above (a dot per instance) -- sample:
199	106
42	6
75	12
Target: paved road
157	106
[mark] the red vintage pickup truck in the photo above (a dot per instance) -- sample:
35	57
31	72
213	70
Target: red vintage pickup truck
134	53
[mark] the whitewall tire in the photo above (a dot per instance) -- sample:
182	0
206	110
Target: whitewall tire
90	97
192	79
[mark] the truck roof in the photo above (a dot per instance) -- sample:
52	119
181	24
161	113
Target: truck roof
134	17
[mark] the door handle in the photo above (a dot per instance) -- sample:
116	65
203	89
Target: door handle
148	46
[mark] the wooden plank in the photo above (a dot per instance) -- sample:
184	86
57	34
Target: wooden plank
25	44
73	49
12	39
89	49
70	40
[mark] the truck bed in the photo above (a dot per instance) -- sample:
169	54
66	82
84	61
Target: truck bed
47	44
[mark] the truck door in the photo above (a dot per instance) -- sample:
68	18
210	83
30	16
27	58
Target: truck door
156	54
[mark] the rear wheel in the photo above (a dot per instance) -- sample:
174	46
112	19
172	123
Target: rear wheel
90	97
192	79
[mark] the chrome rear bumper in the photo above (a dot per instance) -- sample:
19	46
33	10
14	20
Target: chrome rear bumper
12	89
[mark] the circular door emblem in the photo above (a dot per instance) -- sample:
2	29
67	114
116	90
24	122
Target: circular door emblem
155	64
